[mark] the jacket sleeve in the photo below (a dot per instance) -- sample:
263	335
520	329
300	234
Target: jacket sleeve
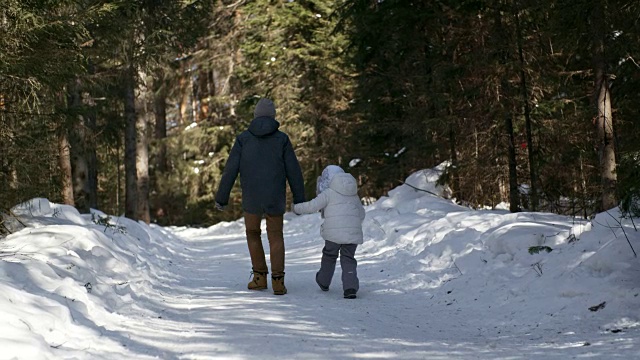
315	205
229	174
293	172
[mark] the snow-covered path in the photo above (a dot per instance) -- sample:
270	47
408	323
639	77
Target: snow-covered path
231	322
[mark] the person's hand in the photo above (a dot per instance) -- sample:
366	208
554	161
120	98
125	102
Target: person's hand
219	206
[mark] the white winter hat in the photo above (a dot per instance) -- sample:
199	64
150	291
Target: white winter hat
325	179
264	107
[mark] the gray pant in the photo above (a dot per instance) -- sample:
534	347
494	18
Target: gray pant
348	264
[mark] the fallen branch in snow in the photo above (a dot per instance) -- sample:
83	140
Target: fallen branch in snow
598	307
28	326
456	265
418	189
58	346
3	218
106	222
16	255
633	223
537	267
16	252
625	234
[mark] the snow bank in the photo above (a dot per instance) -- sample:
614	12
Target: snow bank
532	267
64	277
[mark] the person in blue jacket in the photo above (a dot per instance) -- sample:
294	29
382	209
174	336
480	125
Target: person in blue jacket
265	160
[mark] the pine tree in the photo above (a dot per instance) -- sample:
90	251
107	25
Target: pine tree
30	83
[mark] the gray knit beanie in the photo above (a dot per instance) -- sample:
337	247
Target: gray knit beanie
265	107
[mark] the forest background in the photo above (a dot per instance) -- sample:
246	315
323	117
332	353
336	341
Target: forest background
131	107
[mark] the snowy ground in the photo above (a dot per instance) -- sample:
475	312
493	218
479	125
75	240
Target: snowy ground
438	281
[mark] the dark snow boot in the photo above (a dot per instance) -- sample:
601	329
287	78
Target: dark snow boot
350	293
259	281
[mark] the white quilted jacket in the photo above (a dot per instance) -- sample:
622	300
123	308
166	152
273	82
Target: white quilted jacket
342	208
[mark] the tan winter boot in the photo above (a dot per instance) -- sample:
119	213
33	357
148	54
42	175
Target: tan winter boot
277	283
259	281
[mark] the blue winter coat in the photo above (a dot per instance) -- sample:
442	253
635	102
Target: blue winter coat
264	157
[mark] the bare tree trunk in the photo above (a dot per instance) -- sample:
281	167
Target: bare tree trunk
185	88
92	161
142	156
5	159
533	194
119	177
64	162
79	142
604	118
160	110
130	136
514	198
504	100
211	89
92	155
8	177
203	99
583	187
453	172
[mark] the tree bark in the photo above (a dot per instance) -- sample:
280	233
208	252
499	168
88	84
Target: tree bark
64	162
453	172
504	101
142	158
79	153
160	110
318	163
533	194
92	160
130	136
203	99
8	175
185	88
604	118
514	198
92	153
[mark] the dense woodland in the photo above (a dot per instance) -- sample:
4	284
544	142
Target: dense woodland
131	107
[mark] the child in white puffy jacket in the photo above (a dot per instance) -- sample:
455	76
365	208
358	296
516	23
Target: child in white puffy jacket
343	214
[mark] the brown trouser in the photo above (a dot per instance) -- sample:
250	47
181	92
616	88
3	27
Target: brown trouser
276	243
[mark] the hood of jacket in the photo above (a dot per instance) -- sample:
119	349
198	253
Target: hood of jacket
263	126
327	175
344	184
